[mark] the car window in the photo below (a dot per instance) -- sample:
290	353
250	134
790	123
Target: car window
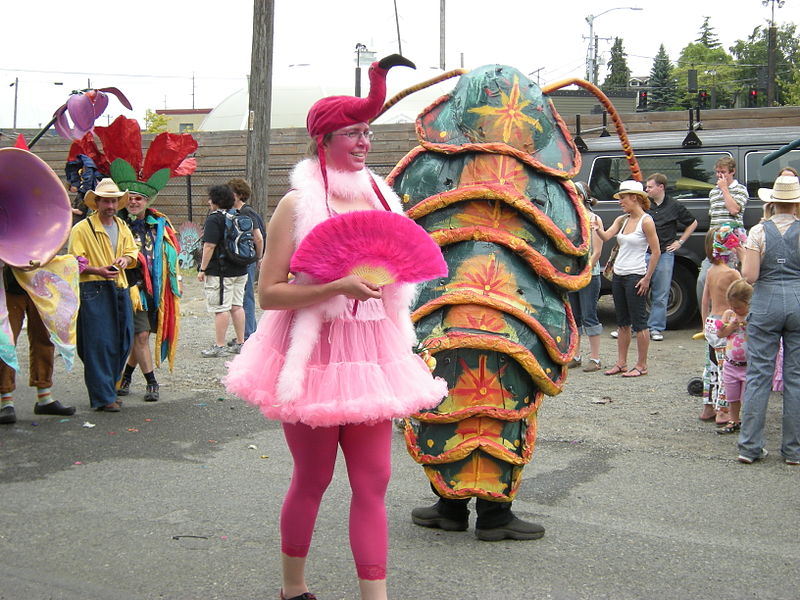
758	176
689	175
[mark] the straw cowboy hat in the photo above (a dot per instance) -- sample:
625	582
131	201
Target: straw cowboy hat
786	189
106	189
631	187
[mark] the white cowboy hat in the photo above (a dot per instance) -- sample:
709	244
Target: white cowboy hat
106	189
786	189
631	187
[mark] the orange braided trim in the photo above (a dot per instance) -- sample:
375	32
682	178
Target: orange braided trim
403	164
472	297
487	341
504	149
494	412
448	492
511	196
468	446
537	261
636	172
562	125
417	87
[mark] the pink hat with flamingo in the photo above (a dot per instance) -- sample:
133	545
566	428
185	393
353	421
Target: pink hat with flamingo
335	112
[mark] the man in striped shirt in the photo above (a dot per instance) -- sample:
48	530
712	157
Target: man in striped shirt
728	199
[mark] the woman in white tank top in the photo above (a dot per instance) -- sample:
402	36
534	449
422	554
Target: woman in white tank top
636	233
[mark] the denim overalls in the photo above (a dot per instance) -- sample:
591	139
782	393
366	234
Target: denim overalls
774	312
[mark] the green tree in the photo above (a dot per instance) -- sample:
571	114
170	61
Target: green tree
707	37
663	88
154	122
751	56
716	74
618	72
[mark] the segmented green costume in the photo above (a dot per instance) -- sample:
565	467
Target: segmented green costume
490	182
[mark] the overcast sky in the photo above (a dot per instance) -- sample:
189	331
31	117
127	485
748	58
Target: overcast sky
151	49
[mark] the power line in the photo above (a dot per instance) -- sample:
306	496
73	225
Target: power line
135	75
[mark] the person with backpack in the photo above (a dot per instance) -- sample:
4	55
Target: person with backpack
241	193
228	248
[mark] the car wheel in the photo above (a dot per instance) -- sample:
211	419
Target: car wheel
682	303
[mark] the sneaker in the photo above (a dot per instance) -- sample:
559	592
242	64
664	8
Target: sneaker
231	342
8	416
749	461
151	395
575	362
615	334
214	351
592	365
656	336
53	408
111	407
124	387
516	529
792	461
236	348
429	516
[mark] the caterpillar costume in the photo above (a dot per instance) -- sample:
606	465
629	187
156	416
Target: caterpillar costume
490	181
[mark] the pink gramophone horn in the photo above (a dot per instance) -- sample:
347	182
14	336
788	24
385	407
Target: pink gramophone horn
35	212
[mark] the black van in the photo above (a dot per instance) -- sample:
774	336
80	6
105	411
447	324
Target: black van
688	162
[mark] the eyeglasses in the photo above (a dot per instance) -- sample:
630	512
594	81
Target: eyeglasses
354	135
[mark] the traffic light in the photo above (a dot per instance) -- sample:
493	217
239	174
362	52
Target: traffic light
642	100
702	99
752	98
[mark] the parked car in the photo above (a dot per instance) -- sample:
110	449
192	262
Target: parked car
689	168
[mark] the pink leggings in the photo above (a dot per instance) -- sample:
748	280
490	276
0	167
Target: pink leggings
367	453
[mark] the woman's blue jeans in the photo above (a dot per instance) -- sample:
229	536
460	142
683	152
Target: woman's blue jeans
584	307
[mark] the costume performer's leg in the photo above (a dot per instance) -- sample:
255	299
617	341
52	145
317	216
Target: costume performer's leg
367	450
314	453
41	349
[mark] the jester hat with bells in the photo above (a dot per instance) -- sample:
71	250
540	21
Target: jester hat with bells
335	112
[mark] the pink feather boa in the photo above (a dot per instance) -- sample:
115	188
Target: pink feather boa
310	210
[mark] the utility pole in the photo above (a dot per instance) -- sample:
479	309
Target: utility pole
260	102
772	45
441	33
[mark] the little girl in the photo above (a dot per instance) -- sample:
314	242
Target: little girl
733	326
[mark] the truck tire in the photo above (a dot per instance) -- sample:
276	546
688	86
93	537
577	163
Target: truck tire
682	303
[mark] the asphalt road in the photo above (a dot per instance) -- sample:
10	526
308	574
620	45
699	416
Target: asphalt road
180	500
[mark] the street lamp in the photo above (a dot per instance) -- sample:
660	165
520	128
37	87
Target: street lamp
359	49
591	54
15	85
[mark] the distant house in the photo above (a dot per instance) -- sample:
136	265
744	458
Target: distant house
183	120
639	81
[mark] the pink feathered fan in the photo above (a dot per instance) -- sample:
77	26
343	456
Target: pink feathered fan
380	246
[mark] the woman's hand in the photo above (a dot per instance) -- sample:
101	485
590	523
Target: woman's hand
358	288
642	286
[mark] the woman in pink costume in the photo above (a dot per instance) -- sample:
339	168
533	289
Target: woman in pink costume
334	361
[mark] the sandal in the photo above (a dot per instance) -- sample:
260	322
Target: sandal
615	370
730	427
635	372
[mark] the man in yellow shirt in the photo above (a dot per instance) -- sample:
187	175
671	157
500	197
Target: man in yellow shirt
105	318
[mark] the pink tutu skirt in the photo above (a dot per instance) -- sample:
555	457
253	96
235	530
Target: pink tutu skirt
361	370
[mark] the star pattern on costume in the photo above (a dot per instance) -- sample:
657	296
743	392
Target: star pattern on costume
509	116
495	169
